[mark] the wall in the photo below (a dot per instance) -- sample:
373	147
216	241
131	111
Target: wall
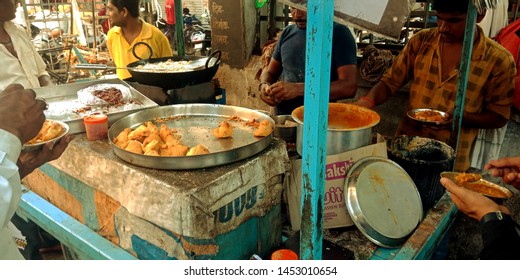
241	86
233	30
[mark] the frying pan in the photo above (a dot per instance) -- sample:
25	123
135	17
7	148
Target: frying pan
173	80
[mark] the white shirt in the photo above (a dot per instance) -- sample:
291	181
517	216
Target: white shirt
10	192
27	68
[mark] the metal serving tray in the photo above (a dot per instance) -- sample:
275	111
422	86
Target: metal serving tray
64	104
195	123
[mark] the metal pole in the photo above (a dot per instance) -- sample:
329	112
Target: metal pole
94	27
465	62
179	27
317	86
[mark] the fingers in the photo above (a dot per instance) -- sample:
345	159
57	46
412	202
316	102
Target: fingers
41	99
20	113
512	179
53	150
61	146
269	101
505	162
450	186
471	203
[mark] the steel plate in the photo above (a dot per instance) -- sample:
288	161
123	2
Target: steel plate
481	186
195	123
37	146
412	115
382	201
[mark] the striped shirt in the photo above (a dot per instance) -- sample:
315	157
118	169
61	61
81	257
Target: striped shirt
490	85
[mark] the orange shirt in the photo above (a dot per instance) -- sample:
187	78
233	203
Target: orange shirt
121	50
490	85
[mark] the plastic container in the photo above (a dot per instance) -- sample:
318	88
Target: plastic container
96	126
424	159
284	254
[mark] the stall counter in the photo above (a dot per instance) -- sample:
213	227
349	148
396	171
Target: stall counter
161	214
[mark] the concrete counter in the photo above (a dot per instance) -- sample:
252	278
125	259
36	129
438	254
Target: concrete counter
160	214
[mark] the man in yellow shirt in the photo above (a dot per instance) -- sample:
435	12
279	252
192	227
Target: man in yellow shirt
128	30
431	61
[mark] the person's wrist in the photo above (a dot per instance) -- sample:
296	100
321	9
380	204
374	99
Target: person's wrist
368	100
494	216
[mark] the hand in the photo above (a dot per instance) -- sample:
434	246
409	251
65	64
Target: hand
507	168
265	95
285	90
20	113
471	203
363	103
29	161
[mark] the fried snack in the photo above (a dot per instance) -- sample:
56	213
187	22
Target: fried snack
174	150
173	139
489	189
122	139
152	153
49	131
264	129
154	136
139	134
464	178
164	132
134	147
198	150
152	146
225	130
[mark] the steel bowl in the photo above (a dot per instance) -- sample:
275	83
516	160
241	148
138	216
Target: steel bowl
39	145
349	127
285	127
415	115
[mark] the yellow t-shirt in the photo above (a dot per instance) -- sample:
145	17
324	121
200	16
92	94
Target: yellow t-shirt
490	85
121	50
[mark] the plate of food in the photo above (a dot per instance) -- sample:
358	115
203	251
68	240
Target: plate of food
474	182
427	115
51	131
190	136
104	94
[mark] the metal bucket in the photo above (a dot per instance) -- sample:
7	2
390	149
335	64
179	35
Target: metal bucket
423	159
349	127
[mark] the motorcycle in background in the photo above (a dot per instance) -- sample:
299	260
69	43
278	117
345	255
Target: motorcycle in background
197	36
201	40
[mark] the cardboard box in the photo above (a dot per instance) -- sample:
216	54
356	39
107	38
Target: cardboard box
335	213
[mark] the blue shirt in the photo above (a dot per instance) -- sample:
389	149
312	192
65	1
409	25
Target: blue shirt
290	52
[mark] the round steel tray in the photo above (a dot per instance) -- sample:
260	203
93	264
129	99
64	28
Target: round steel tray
195	123
383	201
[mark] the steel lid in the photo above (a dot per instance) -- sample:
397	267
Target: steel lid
383	201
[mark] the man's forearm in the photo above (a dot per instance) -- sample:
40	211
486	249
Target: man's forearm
484	120
379	93
342	89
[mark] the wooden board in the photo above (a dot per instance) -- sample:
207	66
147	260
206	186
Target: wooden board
385	18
